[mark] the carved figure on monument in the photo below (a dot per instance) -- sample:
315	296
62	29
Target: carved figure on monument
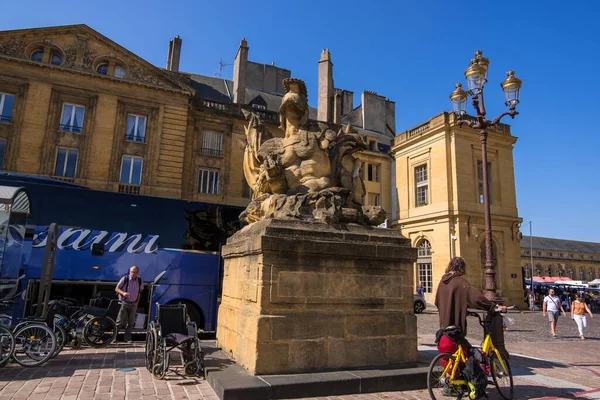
310	174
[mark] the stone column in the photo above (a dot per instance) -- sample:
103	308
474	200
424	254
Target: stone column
301	297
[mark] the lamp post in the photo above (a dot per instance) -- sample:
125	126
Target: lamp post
476	76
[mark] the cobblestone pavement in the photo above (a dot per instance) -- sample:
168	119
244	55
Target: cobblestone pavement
544	368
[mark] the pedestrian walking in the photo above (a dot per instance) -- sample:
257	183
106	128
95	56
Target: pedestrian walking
531	298
578	309
129	288
552	306
420	289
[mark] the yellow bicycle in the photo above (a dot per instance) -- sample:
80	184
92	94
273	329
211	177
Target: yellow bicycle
445	377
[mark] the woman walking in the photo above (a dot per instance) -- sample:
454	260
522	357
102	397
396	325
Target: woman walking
578	309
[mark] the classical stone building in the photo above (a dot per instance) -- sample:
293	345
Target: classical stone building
559	258
439	188
77	106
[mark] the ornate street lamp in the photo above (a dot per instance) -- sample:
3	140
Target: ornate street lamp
476	79
476	76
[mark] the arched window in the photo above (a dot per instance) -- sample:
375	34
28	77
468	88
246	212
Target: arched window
538	269
581	274
102	69
424	266
120	72
549	271
37	55
56	58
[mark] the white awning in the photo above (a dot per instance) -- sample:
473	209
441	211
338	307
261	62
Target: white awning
15	200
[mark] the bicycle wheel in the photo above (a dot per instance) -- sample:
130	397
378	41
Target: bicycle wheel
34	345
503	379
437	382
7	345
100	331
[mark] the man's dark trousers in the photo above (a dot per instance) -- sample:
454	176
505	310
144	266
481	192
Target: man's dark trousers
126	318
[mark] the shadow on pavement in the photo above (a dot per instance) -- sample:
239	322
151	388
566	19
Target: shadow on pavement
537	392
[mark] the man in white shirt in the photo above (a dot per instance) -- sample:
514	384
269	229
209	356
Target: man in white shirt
552	305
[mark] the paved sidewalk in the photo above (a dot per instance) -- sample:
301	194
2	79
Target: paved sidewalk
544	368
92	374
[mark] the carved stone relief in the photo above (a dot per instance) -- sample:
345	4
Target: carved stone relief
138	73
13	48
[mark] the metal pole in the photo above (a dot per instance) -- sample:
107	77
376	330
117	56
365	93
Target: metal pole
531	262
490	273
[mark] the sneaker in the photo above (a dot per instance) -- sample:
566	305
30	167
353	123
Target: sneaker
450	391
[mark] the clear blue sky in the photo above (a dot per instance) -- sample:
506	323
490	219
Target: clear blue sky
410	51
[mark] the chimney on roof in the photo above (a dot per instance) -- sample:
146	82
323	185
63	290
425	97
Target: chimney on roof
174	54
239	73
325	103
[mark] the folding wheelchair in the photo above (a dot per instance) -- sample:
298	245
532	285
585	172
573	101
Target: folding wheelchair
170	331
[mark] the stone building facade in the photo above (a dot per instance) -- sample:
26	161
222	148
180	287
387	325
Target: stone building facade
559	258
439	188
77	106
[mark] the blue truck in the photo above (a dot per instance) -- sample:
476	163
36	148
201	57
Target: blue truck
175	244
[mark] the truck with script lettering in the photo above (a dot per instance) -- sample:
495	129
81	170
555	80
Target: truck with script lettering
102	234
89	263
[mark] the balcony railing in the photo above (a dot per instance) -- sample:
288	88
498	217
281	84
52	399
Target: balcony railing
265	115
70	128
135	138
129	189
211	152
215	105
235	109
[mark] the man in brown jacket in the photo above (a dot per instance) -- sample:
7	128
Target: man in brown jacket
455	294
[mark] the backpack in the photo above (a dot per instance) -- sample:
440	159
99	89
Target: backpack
474	374
126	286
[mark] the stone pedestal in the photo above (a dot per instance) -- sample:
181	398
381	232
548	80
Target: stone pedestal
301	297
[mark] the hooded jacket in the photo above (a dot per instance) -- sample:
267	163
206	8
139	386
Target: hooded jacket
454	295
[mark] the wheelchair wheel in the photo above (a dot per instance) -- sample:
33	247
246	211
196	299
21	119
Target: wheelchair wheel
100	331
151	349
34	345
75	344
161	361
7	345
61	339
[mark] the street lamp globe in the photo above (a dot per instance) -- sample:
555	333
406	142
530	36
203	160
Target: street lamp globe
475	75
481	60
511	86
459	100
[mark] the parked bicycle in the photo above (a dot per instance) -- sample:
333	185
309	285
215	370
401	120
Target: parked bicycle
446	374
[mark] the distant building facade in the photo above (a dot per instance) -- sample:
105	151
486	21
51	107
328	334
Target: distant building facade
552	258
439	187
77	106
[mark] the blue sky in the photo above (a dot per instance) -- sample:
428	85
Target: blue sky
411	52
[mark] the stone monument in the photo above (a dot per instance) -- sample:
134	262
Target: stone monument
310	284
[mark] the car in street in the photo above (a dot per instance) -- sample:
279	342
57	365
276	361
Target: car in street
419	304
